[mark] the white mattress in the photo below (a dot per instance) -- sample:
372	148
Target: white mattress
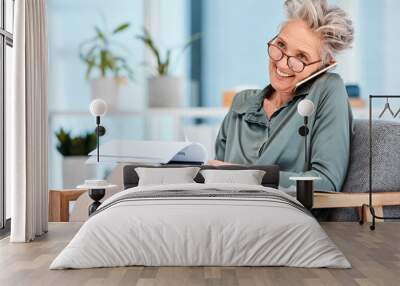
189	231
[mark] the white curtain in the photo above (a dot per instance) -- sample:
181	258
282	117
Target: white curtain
27	123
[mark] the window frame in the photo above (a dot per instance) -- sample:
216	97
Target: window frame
6	39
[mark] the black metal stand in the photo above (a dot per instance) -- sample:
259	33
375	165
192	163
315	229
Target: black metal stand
96	195
369	205
303	131
305	193
98	137
100	131
305	188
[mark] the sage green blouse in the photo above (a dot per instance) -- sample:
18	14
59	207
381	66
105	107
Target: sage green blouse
248	136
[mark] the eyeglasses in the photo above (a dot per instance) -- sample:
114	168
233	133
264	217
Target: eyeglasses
295	64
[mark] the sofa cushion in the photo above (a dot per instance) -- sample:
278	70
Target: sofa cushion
385	157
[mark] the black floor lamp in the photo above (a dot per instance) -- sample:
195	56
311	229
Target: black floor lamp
98	108
305	108
304	185
97	188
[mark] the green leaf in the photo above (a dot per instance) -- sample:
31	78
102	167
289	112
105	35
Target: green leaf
99	33
103	62
163	67
90	66
167	61
79	145
90	143
91	51
97	53
192	39
121	28
148	41
64	142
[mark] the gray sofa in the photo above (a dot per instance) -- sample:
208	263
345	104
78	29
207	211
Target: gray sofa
386	168
385	162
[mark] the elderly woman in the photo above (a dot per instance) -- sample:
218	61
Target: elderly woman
261	126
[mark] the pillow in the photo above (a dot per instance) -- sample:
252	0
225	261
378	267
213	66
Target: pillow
166	176
248	177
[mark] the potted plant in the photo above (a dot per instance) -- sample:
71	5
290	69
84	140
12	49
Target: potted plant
75	150
164	89
110	69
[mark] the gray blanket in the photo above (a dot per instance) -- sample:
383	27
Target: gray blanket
206	193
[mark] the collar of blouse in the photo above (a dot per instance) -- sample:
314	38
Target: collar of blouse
254	103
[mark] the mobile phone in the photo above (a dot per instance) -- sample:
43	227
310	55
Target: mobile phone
315	74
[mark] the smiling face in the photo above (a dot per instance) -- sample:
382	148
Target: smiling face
295	39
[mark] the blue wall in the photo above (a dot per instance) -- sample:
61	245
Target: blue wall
372	47
234	44
391	46
236	33
70	23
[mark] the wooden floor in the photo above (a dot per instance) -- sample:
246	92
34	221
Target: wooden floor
375	257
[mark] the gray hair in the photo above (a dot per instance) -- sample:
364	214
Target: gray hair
331	22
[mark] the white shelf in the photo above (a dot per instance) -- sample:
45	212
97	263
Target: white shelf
184	112
194	112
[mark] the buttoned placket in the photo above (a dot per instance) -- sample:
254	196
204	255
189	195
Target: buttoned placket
265	142
268	129
269	123
266	122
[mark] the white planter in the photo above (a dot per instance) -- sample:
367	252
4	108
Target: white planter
75	171
106	88
165	91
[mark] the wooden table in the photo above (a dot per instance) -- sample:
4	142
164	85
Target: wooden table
59	203
348	200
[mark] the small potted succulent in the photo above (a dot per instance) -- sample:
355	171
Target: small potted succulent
164	89
106	68
75	150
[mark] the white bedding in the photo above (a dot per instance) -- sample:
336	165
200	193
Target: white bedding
183	231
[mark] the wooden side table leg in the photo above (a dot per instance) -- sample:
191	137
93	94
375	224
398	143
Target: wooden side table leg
379	212
360	214
367	217
54	206
59	203
64	209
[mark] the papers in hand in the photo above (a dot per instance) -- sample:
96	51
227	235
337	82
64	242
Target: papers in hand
161	152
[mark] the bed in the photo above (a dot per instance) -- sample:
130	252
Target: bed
197	224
